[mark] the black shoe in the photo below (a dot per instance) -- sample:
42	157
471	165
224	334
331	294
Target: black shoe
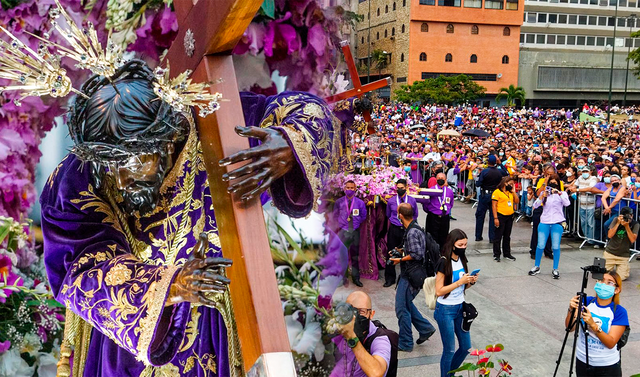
510	257
548	256
453	218
387	284
357	282
479	239
424	338
497	259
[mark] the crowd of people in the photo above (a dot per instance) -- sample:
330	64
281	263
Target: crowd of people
569	177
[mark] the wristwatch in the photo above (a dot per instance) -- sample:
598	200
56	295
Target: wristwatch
353	342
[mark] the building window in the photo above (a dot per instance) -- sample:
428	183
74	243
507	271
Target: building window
424	27
393	31
505	59
423	57
401	79
386	9
449	3
403	28
473	59
506	31
450	29
493	4
368	15
362	40
513	4
427	2
394	6
378	12
404	3
474	29
542	18
448	58
402	57
385	33
377	35
473	3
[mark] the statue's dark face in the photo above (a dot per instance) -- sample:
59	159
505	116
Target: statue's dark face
139	178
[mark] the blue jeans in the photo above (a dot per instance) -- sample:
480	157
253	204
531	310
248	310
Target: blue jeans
449	318
407	314
588	221
544	231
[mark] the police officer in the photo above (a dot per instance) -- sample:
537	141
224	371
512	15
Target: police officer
488	181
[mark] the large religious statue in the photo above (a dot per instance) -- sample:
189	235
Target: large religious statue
131	244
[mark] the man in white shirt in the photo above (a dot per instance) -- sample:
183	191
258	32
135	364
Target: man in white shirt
582	187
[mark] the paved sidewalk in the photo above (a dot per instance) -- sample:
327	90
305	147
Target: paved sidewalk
526	314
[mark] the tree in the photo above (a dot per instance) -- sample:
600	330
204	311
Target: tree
379	60
634	56
511	93
444	90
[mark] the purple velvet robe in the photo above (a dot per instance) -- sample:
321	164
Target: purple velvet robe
114	270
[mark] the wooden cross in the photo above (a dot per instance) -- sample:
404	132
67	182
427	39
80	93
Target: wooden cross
209	30
358	89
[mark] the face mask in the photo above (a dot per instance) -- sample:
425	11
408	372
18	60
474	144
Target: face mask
637	184
615	184
501	154
438	171
599	166
361	327
586	175
401	192
568	174
607	179
459	251
580	167
589	160
508	187
349	193
357	140
604	291
440	182
407	168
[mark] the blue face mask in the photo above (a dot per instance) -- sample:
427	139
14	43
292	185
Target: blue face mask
607	179
580	167
604	291
589	160
637	184
586	175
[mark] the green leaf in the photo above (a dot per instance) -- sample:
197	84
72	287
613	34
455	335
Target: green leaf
4	230
465	366
268	8
490	364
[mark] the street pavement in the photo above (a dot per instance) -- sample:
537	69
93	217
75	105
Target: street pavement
524	313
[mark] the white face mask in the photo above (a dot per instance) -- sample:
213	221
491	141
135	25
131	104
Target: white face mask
357	140
568	174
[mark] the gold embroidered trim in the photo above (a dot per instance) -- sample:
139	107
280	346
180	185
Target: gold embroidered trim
302	149
178	167
158	294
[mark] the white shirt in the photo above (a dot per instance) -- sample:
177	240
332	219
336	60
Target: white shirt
599	354
457	295
433	156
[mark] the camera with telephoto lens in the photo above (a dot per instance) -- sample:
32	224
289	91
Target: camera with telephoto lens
344	313
395	253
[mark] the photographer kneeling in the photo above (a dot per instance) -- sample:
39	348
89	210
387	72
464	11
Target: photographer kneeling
356	359
412	260
623	233
606	320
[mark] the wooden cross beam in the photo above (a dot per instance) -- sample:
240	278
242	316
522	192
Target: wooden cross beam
358	89
209	30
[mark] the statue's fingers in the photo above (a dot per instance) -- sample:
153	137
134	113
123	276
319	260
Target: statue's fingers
217	262
245	185
201	246
208	286
247	169
243	155
202	299
211	274
257	132
262	187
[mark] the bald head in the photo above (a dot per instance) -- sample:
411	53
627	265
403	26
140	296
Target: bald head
406	211
360	300
441	176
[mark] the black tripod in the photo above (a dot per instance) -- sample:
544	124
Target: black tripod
578	324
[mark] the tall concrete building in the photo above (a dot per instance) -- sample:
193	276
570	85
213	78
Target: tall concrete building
427	38
566	49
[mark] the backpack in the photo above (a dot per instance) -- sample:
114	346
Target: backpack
394	339
429	288
625	335
431	254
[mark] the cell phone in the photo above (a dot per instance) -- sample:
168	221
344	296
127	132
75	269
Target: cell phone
475	272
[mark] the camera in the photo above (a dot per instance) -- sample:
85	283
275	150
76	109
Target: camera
597	269
344	313
395	253
627	217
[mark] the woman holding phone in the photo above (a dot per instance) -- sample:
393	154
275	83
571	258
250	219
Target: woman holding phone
452	280
606	320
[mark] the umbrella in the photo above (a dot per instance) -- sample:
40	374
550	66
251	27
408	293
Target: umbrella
448	132
476	132
420	125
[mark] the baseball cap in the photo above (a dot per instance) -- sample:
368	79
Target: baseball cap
492	160
586	168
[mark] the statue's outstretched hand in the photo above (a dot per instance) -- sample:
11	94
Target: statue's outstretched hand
269	161
199	276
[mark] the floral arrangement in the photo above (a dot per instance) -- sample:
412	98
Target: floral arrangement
22	127
30	319
299	39
381	182
484	366
306	294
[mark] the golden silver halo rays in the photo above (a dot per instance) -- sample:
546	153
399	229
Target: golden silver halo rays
38	73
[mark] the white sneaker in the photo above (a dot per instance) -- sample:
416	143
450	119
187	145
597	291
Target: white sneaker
534	271
556	274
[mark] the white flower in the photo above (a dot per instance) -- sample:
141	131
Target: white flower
308	339
31	343
11	364
41	288
47	365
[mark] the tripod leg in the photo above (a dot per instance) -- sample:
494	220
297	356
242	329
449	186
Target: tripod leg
564	342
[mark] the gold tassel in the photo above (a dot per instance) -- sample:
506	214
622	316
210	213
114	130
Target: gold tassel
64	366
